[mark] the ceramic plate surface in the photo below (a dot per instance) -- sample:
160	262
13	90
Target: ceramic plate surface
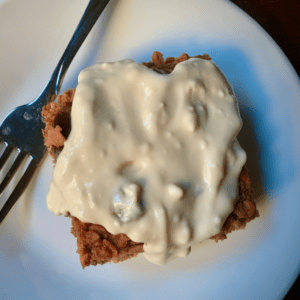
38	258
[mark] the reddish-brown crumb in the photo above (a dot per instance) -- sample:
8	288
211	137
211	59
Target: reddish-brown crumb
244	209
57	119
166	66
95	244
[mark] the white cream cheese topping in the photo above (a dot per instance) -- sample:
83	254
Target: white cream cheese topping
150	155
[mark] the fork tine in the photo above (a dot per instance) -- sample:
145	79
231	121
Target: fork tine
5	155
19	189
12	171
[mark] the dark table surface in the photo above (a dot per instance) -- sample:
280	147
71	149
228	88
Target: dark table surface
281	19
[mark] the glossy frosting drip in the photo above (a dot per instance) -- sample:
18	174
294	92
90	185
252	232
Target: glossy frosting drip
153	156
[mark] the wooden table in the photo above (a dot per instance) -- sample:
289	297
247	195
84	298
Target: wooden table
281	19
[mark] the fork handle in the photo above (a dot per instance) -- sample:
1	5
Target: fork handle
89	18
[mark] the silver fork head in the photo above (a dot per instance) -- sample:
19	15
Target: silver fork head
21	129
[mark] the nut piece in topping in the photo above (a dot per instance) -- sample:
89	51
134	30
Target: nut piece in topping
126	202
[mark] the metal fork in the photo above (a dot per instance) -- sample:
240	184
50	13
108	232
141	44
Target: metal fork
22	128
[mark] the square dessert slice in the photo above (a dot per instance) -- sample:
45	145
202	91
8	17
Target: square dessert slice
95	244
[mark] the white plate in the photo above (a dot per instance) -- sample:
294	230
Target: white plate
37	251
